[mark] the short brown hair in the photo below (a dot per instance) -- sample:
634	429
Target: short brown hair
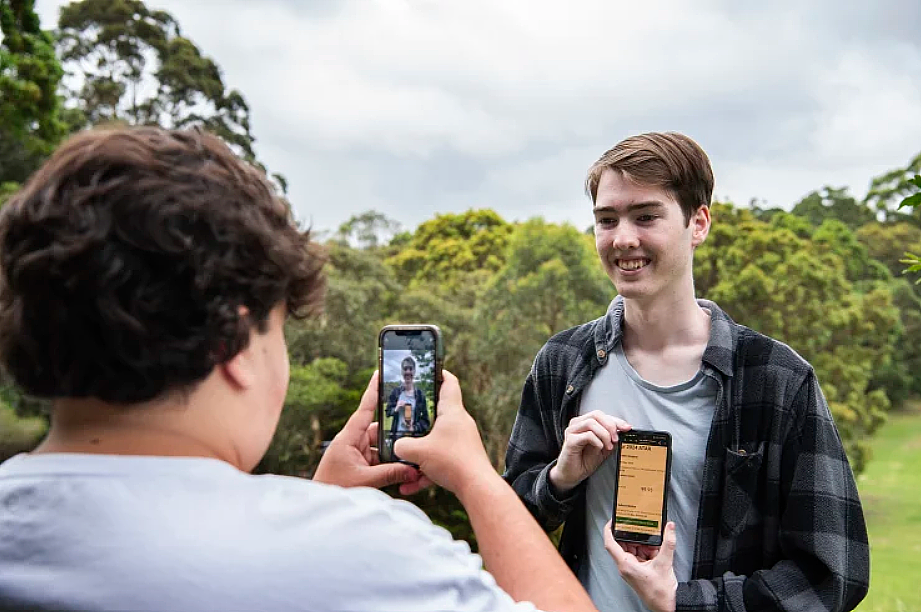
668	160
136	259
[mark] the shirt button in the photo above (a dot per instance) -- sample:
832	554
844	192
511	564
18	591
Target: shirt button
601	353
570	389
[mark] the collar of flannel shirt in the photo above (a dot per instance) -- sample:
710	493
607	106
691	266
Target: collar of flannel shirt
721	348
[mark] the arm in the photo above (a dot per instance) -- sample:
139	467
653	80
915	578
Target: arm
514	549
549	478
822	532
531	455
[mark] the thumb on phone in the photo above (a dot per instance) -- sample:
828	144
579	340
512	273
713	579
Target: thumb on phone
669	542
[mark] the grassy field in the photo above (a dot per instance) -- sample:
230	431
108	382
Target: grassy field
890	490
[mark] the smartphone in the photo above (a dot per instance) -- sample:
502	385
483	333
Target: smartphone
644	462
410	364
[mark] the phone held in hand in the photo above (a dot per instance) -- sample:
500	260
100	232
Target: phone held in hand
644	461
409	361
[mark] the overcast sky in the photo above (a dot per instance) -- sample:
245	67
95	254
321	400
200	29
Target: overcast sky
413	107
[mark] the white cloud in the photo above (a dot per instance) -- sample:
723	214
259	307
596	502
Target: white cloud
413	107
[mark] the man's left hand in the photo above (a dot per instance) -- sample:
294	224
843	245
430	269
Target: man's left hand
648	570
351	459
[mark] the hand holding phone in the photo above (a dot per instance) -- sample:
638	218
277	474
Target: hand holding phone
410	362
588	441
452	455
350	459
641	486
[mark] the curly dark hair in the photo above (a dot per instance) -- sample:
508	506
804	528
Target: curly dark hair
135	260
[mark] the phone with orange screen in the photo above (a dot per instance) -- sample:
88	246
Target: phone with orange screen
644	460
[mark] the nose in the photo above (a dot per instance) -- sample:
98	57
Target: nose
625	237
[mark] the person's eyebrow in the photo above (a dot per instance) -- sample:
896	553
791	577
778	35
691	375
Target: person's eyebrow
649	204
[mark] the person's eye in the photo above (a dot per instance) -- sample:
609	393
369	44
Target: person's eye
606	221
647	218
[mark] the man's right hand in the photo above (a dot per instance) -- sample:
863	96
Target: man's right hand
588	441
452	454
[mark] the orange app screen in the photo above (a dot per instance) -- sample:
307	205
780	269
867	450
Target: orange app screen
640	488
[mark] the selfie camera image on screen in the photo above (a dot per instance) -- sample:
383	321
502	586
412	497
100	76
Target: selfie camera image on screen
407	399
641	488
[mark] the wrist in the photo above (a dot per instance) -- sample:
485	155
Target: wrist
558	483
667	601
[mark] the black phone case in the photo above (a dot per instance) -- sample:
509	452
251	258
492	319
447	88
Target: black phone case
642	538
439	359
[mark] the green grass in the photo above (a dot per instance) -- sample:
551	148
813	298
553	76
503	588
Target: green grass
890	490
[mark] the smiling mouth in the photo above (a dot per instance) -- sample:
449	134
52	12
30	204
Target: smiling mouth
631	265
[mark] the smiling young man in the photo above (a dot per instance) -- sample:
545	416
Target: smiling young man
763	509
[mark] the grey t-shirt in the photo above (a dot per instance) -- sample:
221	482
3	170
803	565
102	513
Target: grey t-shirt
97	532
685	411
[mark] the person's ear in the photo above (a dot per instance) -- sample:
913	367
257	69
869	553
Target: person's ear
240	371
700	226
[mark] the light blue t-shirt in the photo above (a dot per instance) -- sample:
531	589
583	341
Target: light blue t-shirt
103	532
685	411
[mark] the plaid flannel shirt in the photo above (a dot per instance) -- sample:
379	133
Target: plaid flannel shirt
780	525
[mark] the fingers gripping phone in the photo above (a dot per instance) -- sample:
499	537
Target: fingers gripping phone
644	461
410	362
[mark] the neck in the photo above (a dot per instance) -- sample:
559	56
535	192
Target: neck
667	320
170	428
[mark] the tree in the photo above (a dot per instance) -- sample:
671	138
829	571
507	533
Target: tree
551	280
888	190
832	203
30	121
312	414
446	249
130	64
368	230
913	201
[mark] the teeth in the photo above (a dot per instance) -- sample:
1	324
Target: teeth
631	264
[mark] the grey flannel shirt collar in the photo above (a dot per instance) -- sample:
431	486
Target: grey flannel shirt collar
720	351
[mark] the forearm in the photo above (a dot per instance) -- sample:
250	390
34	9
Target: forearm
515	549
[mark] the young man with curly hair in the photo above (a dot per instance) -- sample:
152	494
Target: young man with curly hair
763	508
145	276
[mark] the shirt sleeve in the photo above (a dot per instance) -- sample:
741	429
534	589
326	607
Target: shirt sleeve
532	454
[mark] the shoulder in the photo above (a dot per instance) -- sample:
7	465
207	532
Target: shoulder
567	349
757	350
771	373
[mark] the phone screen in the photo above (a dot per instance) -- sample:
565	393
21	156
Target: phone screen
407	398
642	481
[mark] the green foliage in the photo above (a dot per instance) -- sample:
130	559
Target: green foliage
368	230
316	407
30	121
913	201
18	434
7	190
832	203
446	249
889	192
